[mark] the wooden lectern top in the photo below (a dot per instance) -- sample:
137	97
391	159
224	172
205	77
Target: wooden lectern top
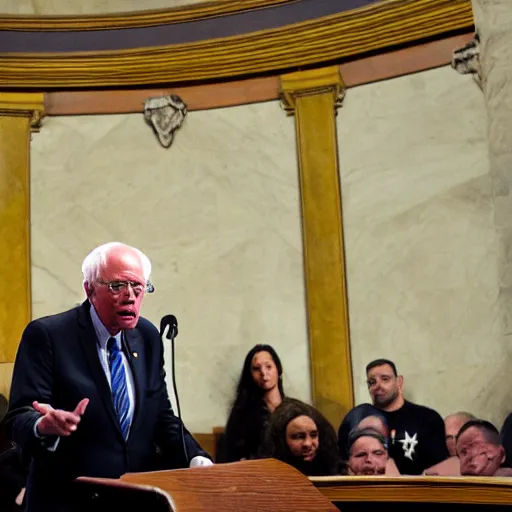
255	485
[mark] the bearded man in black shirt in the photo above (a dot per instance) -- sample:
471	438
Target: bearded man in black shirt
417	435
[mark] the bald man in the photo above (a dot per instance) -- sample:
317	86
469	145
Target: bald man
452	425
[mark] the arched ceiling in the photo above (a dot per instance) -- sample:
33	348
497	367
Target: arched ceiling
79	7
211	41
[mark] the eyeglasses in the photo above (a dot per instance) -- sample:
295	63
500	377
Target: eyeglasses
117	287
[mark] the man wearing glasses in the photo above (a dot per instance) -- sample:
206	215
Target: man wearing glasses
88	395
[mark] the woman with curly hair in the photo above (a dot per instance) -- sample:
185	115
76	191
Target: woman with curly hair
300	436
259	392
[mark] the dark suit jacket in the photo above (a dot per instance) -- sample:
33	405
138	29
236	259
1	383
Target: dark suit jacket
57	363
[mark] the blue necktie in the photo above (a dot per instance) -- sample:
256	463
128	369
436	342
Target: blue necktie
119	387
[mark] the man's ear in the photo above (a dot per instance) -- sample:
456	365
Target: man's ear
502	455
89	289
400	382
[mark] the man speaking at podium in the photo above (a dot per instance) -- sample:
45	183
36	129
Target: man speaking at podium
88	395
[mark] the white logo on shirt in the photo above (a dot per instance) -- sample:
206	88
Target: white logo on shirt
408	444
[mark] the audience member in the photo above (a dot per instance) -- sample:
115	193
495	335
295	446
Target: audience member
452	424
4	406
5	442
364	416
259	392
360	417
300	436
480	450
368	453
13	474
506	440
417	436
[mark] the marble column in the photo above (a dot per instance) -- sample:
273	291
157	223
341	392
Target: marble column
20	113
313	97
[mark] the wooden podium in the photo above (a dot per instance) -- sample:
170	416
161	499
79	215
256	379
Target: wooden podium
257	485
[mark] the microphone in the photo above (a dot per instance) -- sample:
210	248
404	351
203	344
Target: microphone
169	331
171	322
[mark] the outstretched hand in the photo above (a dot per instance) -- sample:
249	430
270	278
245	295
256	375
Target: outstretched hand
56	422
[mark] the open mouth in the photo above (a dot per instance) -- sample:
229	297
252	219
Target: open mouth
126	314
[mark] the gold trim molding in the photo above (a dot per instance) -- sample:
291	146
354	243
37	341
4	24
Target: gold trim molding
231	93
23	104
135	19
311	43
321	80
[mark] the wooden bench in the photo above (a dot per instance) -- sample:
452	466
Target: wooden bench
210	441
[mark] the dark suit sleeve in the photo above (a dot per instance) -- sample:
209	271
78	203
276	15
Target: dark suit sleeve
168	430
32	380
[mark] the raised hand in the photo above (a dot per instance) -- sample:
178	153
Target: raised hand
56	422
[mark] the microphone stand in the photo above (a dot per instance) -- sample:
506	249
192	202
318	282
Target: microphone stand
175	389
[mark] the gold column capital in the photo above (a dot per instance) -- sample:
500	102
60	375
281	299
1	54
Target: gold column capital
23	104
312	81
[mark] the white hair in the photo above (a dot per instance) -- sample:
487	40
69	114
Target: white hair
98	257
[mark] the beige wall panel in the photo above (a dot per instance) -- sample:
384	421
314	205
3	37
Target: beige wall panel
218	213
77	7
420	241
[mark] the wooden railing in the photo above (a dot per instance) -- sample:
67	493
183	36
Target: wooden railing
416	493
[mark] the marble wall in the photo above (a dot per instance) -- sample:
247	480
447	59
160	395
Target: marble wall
493	19
420	240
78	7
218	214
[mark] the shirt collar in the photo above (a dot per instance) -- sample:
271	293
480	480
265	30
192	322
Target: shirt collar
101	331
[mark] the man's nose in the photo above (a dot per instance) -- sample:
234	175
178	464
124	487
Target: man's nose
129	293
471	458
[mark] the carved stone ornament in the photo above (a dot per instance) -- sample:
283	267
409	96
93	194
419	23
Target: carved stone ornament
165	115
466	60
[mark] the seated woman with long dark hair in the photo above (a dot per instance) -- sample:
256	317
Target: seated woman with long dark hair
300	436
259	392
